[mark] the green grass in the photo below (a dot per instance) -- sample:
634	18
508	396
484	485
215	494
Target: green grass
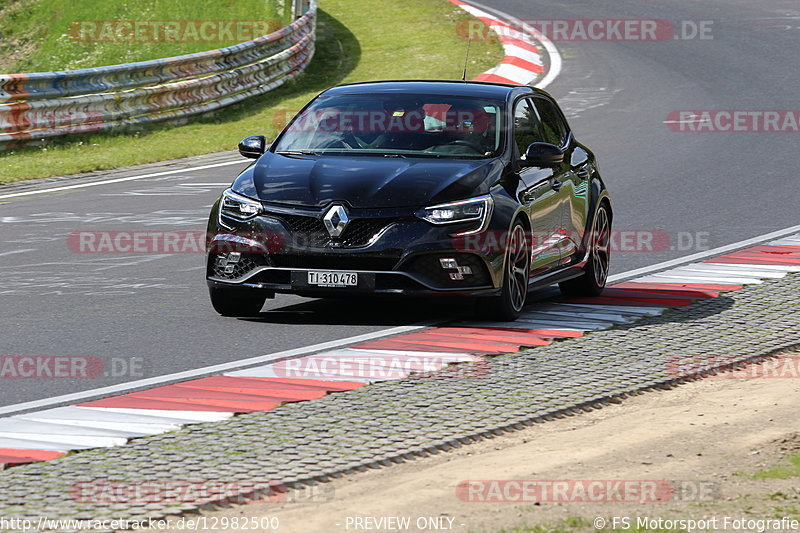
43	35
790	468
392	39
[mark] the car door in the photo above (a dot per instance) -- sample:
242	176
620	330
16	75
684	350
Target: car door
572	181
536	192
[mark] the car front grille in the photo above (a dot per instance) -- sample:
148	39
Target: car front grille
310	231
333	262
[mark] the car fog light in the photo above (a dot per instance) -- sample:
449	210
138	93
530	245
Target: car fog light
228	261
447	262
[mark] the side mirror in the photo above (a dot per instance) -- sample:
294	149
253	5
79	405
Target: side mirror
253	146
542	155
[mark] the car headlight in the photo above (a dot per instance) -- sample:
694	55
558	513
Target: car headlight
238	206
477	209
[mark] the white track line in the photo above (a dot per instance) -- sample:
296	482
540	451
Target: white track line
190	417
703	255
120	180
786	242
94	415
13	252
738	267
767	274
680	280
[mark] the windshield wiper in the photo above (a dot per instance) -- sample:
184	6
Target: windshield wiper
298	152
395	155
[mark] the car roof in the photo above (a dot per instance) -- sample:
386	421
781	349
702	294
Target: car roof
476	89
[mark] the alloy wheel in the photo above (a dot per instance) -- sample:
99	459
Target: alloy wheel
517	270
600	247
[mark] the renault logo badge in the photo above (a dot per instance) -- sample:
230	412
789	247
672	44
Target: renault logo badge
336	220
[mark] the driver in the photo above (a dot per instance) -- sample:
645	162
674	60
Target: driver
467	125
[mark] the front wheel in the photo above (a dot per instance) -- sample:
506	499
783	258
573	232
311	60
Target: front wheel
236	302
509	303
593	280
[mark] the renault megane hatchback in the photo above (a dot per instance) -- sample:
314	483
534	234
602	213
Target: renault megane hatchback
417	188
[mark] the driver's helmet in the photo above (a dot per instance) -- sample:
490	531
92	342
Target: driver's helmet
467	122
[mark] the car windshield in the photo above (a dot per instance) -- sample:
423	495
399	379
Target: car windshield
396	125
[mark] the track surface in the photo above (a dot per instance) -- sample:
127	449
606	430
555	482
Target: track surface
617	96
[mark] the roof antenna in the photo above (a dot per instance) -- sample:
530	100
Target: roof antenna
466	57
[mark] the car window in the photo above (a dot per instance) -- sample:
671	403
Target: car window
554	129
526	126
408	125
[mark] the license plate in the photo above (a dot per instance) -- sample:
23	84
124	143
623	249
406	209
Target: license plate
326	278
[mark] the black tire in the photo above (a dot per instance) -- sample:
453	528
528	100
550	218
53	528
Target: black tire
593	280
236	302
509	303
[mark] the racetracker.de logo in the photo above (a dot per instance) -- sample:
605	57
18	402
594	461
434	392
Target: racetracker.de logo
425	118
169	31
67	120
68	367
177	492
584	491
589	30
784	366
172	242
734	120
371	366
620	241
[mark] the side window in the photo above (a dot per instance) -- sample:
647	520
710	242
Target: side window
554	128
526	126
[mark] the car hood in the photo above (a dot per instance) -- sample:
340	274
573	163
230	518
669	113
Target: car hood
366	181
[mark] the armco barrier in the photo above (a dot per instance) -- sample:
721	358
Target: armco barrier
47	104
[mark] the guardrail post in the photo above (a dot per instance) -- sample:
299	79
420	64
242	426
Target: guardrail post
299	7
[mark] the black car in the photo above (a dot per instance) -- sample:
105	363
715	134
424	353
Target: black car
415	188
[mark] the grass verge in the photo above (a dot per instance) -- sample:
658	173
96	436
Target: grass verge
51	35
790	468
392	39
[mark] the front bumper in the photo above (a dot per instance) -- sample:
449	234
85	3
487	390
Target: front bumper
393	251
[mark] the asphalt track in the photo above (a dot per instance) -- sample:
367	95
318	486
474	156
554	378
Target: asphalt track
722	187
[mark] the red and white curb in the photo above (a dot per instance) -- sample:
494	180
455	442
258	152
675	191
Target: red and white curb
523	63
112	421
